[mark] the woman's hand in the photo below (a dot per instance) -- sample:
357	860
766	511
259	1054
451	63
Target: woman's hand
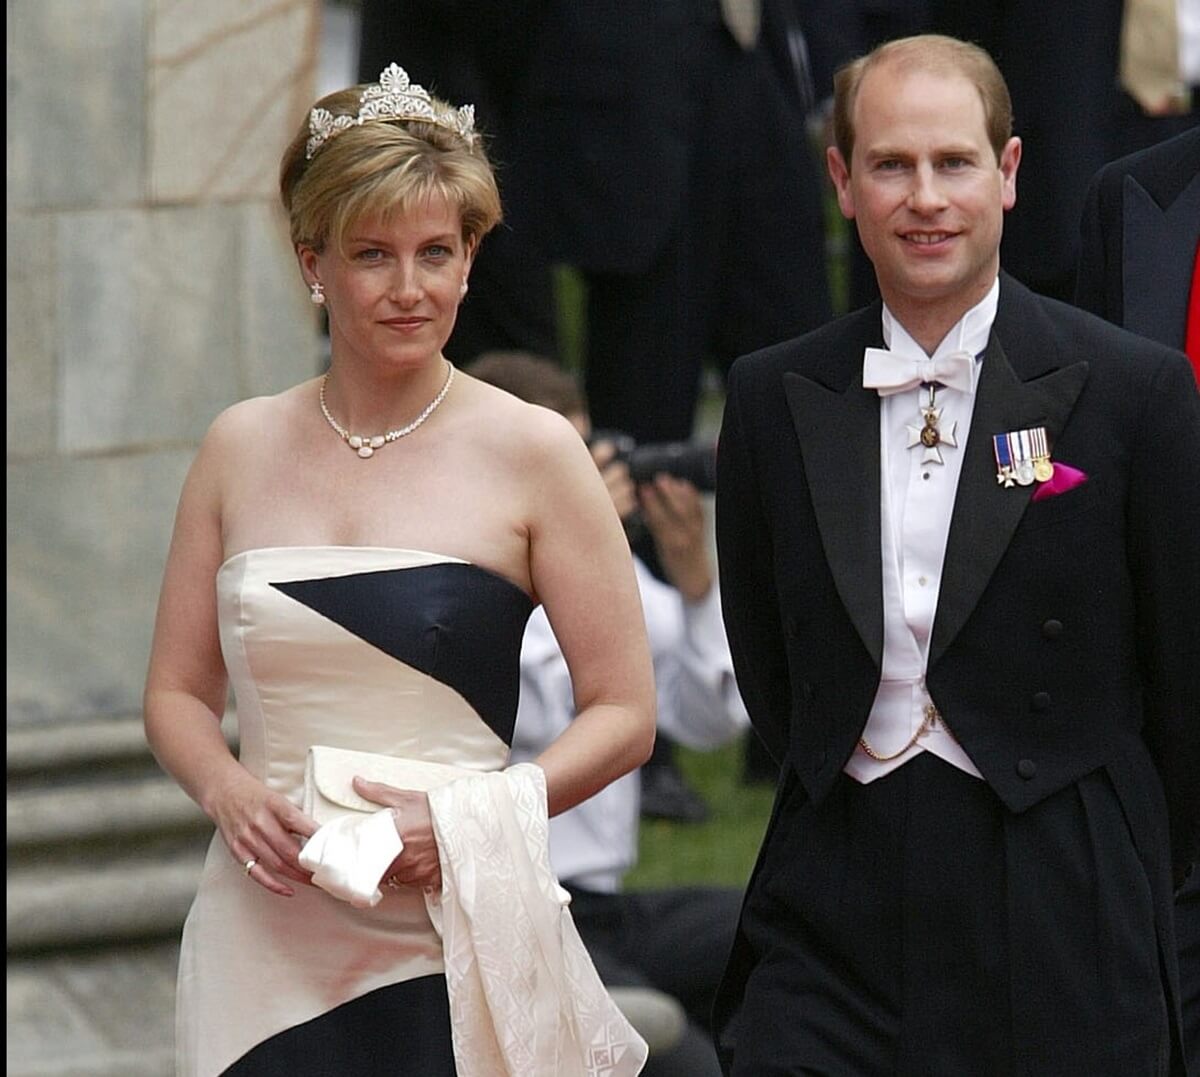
264	829
418	863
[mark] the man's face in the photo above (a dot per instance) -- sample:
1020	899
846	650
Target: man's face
925	190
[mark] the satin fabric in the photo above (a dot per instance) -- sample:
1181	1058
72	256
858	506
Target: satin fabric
525	998
253	964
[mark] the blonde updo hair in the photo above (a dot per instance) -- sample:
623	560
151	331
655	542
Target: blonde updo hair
383	167
927	52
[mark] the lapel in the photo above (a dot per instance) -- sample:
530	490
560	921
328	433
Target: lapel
1023	382
1159	249
837	425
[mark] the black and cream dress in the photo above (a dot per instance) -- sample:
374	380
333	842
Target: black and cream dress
404	652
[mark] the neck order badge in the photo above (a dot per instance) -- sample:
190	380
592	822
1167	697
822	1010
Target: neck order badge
929	434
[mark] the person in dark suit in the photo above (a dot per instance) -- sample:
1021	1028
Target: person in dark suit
1139	254
1074	116
1066	113
662	160
956	536
1138	237
835	32
466	51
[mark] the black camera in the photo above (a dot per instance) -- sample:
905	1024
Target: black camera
695	461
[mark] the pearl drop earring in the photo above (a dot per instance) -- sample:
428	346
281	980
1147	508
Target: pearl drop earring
317	292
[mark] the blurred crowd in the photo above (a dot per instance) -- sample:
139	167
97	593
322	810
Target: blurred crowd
673	155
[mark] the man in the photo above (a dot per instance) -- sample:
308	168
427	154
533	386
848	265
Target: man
672	940
957	544
655	153
1140	267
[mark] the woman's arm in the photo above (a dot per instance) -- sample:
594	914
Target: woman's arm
582	571
186	687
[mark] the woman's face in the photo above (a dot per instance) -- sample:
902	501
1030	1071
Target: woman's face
393	296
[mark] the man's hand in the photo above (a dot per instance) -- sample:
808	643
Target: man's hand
616	478
674	512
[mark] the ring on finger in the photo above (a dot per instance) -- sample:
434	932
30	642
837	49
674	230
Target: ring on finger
249	865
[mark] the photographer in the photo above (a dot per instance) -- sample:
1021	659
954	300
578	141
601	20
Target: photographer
648	469
673	940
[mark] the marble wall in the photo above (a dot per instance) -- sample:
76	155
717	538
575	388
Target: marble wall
150	284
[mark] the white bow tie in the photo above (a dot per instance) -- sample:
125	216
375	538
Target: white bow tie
892	372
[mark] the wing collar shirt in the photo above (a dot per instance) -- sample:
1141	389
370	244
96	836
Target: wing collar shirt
917	503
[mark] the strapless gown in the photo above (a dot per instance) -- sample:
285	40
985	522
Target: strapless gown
398	651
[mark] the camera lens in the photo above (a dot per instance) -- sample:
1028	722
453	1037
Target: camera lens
695	462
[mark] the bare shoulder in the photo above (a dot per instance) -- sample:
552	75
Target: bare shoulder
232	435
522	433
263	413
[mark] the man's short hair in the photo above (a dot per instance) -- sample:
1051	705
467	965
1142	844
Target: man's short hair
929	52
532	378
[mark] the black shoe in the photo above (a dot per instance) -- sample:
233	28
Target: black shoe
665	795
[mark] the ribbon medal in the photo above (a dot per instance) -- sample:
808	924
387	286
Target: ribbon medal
1022	456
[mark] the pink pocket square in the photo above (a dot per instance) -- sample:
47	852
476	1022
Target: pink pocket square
1064	478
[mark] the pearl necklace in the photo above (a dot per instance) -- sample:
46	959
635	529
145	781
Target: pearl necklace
366	446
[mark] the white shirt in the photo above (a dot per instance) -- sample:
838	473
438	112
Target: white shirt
596	842
917	501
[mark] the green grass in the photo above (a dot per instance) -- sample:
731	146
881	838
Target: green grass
570	297
720	851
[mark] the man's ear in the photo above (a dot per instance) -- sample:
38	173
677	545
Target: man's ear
1010	161
839	172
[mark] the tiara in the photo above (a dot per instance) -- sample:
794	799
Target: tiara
393	97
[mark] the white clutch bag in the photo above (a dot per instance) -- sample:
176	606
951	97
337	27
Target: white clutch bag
357	838
329	779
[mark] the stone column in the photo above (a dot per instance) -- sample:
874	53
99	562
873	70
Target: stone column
150	285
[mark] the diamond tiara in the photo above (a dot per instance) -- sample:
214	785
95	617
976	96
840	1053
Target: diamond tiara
393	97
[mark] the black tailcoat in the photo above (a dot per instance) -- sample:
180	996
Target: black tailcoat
1066	638
1141	224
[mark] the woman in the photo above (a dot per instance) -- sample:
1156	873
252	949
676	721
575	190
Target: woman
358	556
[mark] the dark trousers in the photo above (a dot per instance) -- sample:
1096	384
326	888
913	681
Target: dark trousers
510	305
676	941
743	267
916	927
